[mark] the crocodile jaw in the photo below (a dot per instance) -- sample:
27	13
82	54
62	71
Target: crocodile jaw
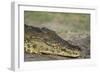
61	53
50	50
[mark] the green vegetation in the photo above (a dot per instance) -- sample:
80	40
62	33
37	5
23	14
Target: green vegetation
62	23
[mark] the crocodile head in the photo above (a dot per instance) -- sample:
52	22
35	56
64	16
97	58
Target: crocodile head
45	41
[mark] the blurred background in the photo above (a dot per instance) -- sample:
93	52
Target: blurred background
66	25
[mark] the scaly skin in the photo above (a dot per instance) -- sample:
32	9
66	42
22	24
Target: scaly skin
44	43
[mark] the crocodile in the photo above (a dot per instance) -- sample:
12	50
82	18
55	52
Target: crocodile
46	41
